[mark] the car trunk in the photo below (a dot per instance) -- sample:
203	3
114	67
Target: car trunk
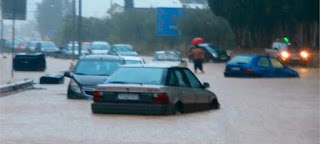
127	93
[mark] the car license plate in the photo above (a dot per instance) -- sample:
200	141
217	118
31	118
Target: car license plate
236	68
125	96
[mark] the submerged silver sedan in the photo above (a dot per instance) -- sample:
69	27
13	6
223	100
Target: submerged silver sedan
150	89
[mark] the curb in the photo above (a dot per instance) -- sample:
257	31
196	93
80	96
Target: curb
9	88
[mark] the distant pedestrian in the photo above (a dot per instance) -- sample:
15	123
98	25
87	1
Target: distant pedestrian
198	57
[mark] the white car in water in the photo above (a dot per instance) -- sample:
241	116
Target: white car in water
100	47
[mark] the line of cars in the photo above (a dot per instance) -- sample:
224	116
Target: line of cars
118	83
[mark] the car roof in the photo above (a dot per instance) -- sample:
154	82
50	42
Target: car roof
122	45
100	57
132	58
165	66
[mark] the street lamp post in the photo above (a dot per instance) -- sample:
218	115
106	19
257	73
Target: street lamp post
80	28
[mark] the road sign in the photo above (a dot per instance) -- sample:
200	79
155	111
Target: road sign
167	21
9	6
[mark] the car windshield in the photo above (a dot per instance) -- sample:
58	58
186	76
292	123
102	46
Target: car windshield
97	67
166	57
137	75
241	60
100	47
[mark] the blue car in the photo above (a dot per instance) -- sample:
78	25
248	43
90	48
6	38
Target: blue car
257	66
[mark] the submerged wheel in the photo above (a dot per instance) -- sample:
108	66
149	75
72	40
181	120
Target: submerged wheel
215	104
178	108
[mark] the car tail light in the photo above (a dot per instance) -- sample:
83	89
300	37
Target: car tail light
161	98
96	95
304	54
248	71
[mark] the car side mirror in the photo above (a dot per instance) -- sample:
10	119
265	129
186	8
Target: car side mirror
206	85
67	74
183	61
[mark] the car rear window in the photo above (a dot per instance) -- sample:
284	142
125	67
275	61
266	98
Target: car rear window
241	60
137	75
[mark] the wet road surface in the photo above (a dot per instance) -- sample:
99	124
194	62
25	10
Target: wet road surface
264	111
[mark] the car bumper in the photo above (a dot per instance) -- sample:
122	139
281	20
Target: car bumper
230	74
130	108
83	95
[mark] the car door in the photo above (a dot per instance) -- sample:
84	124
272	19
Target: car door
264	67
201	94
278	68
180	88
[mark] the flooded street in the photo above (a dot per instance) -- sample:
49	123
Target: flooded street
264	111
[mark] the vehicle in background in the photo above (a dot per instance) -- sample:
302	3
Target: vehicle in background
31	45
153	89
257	66
213	53
289	54
69	49
22	47
90	71
133	60
123	50
99	47
8	43
169	58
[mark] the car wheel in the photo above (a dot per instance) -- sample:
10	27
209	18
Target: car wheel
178	108
215	104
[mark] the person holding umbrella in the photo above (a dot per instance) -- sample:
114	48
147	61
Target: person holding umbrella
197	54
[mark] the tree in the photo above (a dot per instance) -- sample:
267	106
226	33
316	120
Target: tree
258	23
50	14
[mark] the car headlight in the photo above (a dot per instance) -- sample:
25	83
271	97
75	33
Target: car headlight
285	54
74	86
304	54
214	55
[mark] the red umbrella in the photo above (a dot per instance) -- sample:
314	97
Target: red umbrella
197	40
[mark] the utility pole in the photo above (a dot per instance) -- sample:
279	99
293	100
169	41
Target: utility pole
73	27
80	28
2	28
13	34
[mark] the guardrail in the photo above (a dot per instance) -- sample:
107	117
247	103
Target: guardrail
8	88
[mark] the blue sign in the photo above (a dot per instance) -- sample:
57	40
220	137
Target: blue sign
51	32
167	21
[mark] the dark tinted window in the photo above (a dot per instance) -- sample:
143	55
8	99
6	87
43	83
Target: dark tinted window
172	79
193	80
182	80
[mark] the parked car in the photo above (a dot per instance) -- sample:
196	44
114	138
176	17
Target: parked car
46	47
8	43
169	58
69	49
123	50
133	60
99	47
153	89
22	47
31	45
213	53
257	66
90	71
289	54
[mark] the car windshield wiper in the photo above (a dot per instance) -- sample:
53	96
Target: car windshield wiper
80	74
122	82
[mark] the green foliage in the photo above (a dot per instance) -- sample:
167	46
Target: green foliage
138	28
202	23
257	22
